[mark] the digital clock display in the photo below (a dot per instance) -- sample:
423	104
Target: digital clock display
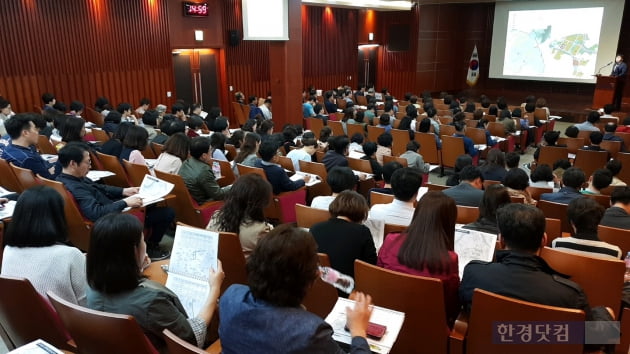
195	9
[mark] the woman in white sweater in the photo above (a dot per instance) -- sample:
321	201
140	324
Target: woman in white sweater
175	152
37	249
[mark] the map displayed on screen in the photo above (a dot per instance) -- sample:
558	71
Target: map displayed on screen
560	43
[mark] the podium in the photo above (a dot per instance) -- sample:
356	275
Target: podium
605	91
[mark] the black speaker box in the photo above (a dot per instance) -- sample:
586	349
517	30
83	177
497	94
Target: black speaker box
233	38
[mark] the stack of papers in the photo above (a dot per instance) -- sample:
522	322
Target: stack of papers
355	154
36	347
96	175
498	139
4	192
150	162
6	210
359	174
315	179
390	318
480	146
473	245
153	190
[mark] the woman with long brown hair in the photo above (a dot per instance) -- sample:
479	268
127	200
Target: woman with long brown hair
427	247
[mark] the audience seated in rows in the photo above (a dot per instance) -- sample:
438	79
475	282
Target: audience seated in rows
614	166
494	197
550	139
36	247
369	149
469	145
21	151
280	271
243	211
584	215
388	171
405	184
596	140
339	179
468	192
343	237
572	180
461	162
427	247
117	243
96	200
174	153
197	173
609	135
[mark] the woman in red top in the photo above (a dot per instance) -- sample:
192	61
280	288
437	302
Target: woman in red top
426	249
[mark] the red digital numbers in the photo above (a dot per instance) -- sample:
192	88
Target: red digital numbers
194	9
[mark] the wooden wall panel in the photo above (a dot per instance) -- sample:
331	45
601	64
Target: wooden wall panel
397	70
81	49
329	42
182	29
247	63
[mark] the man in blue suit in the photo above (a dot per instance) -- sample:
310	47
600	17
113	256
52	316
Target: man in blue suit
620	68
572	180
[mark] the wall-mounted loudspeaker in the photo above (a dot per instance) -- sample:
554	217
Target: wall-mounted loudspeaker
398	38
233	38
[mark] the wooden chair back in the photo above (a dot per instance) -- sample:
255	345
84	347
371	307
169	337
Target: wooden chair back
517	199
360	165
374	132
452	147
176	345
487	183
466	214
399	142
437	187
489	308
112	164
556	211
232	259
472	123
447	130
401	160
8	180
227	173
336	127
615	236
549	155
243	170
307	216
319	155
45	146
428	148
186	209
380	198
79	229
239	113
319	169
601	199
361	100
101	332
553	228
444	120
613	147
586	135
316	125
26	316
477	135
393	228
100	135
425	320
355	129
231	152
136	172
25	177
157	148
601	290
286	163
496	129
321	296
573	144
589	161
624	158
535	192
94	116
626	139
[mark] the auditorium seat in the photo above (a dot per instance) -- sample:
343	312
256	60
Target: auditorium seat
307	216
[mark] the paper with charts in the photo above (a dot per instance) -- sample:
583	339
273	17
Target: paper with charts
390	318
153	189
473	245
194	252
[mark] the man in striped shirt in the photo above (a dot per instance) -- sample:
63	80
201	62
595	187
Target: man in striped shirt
585	215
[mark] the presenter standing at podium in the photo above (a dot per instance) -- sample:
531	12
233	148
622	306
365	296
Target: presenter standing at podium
620	68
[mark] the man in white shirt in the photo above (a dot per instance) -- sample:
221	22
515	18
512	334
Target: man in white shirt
309	145
266	108
405	184
339	179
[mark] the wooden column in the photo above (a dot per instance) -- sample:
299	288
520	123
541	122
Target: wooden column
285	64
